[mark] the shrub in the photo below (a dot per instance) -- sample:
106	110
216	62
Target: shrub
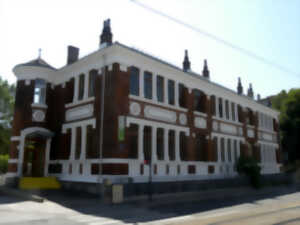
249	166
3	163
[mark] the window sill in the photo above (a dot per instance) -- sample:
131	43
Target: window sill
39	105
80	102
200	113
227	121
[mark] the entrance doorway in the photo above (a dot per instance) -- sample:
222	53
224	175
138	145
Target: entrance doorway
34	157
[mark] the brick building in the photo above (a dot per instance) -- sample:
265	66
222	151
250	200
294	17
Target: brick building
116	111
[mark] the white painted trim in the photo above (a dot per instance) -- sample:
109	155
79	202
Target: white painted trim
138	98
11	174
79	124
80	102
221	135
39	105
13	160
15	138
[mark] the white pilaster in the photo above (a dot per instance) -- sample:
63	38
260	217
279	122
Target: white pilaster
153	144
141	143
154	87
176	93
224	109
141	83
73	143
166	145
76	84
177	146
86	85
225	150
47	156
83	143
219	149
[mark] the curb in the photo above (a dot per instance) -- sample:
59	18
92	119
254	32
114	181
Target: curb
21	194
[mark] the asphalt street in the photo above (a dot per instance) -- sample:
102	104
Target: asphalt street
277	207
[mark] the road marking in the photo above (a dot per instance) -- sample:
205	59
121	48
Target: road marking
216	214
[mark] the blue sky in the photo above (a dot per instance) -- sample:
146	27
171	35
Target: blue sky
269	28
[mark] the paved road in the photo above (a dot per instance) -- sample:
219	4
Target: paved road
68	209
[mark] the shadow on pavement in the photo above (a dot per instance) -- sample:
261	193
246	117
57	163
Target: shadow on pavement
159	208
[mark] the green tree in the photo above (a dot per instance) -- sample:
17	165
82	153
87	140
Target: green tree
6	114
289	106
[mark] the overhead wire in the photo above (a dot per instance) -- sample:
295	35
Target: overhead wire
228	44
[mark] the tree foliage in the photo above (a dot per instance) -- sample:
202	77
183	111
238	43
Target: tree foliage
289	106
6	113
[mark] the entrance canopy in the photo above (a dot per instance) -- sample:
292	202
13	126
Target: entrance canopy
41	134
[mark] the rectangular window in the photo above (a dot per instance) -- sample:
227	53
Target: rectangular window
171	92
92	82
78	143
227	109
81	87
171	144
235	150
160	88
181	95
229	150
160	143
148	85
39	92
91	143
222	150
182	146
147	142
134	88
220	107
215	148
213	105
133	141
233	111
197	97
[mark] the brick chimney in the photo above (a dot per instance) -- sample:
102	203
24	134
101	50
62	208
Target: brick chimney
106	36
73	54
186	62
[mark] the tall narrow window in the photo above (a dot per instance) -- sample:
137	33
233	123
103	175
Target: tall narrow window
197	98
133	141
134	85
229	149
92	82
213	105
78	143
160	144
148	85
147	142
227	109
81	87
171	144
91	143
183	148
222	150
235	150
233	111
39	91
181	95
171	92
215	149
220	107
160	88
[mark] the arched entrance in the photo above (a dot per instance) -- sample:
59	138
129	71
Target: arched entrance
34	151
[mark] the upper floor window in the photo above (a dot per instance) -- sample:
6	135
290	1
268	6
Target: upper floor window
171	92
227	109
221	107
160	88
213	105
92	82
148	85
181	95
134	86
40	91
233	111
81	87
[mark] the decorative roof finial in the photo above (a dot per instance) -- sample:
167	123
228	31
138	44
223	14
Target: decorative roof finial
186	62
250	91
205	71
239	87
